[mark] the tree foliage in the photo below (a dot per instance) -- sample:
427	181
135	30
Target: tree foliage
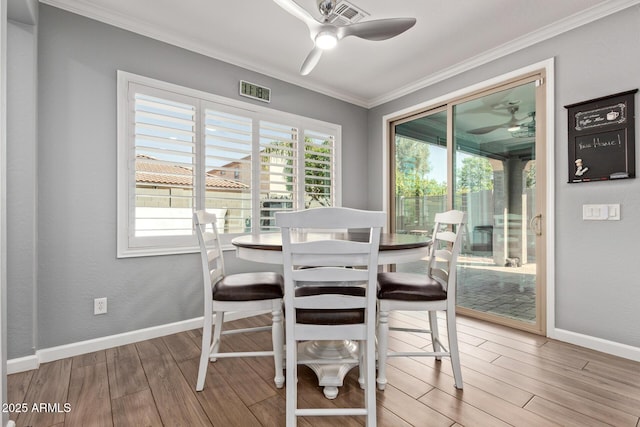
413	168
317	181
530	176
475	175
317	162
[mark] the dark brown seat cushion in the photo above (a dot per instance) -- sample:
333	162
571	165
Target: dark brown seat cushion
409	287
249	286
330	317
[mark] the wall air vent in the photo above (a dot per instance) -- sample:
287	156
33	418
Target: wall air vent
346	13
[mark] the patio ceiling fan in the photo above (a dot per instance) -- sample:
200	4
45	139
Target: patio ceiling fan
513	123
526	129
326	35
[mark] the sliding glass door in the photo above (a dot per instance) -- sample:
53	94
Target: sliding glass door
480	154
419	146
495	181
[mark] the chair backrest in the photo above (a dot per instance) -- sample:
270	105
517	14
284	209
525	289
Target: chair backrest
447	239
211	257
324	258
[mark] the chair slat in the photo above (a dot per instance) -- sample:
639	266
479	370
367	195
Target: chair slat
329	274
343	260
213	254
330	300
447	236
442	255
331	218
330	246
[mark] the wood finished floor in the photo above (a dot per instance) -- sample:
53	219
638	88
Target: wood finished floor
511	378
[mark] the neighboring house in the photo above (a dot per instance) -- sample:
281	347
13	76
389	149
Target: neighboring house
167	185
161	185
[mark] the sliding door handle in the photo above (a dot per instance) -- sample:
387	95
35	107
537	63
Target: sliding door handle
536	224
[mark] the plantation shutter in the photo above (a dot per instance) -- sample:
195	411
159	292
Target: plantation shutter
319	169
164	129
278	163
227	171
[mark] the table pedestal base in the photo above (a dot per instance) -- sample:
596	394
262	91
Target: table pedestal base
330	376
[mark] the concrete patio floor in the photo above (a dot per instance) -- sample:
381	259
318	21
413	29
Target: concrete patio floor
483	286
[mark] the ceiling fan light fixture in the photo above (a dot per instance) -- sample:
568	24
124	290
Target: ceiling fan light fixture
524	132
326	40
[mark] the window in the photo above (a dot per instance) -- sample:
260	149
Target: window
181	149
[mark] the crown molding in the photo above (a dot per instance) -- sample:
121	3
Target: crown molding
106	16
567	24
23	11
146	29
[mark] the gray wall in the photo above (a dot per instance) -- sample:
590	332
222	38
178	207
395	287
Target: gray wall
21	188
597	280
76	184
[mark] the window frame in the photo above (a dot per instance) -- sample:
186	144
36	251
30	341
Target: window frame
126	184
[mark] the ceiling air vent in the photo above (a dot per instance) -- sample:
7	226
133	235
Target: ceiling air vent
345	13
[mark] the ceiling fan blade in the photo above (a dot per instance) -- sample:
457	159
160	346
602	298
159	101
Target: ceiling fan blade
379	29
487	129
311	61
299	12
514	121
511	123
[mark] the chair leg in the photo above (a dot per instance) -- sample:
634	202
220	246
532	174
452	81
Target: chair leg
370	378
205	351
383	341
435	334
292	382
362	365
217	333
277	337
453	348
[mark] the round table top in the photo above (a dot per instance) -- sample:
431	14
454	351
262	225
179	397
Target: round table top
388	241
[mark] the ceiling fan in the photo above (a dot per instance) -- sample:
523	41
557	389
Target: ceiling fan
513	123
525	130
326	35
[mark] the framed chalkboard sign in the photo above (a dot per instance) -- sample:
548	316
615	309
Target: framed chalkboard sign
602	138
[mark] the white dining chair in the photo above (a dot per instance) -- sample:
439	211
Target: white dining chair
260	291
330	294
431	292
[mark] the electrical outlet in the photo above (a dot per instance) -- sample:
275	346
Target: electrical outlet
100	306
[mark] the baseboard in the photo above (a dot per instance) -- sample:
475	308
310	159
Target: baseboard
598	344
51	354
22	364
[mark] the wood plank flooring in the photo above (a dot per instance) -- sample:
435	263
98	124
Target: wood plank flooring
511	378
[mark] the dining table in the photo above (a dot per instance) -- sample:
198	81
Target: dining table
394	248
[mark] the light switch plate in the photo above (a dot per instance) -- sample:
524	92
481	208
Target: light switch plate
613	212
594	213
601	212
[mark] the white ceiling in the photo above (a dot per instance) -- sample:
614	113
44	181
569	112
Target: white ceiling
449	37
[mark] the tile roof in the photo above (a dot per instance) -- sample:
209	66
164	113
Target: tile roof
150	172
